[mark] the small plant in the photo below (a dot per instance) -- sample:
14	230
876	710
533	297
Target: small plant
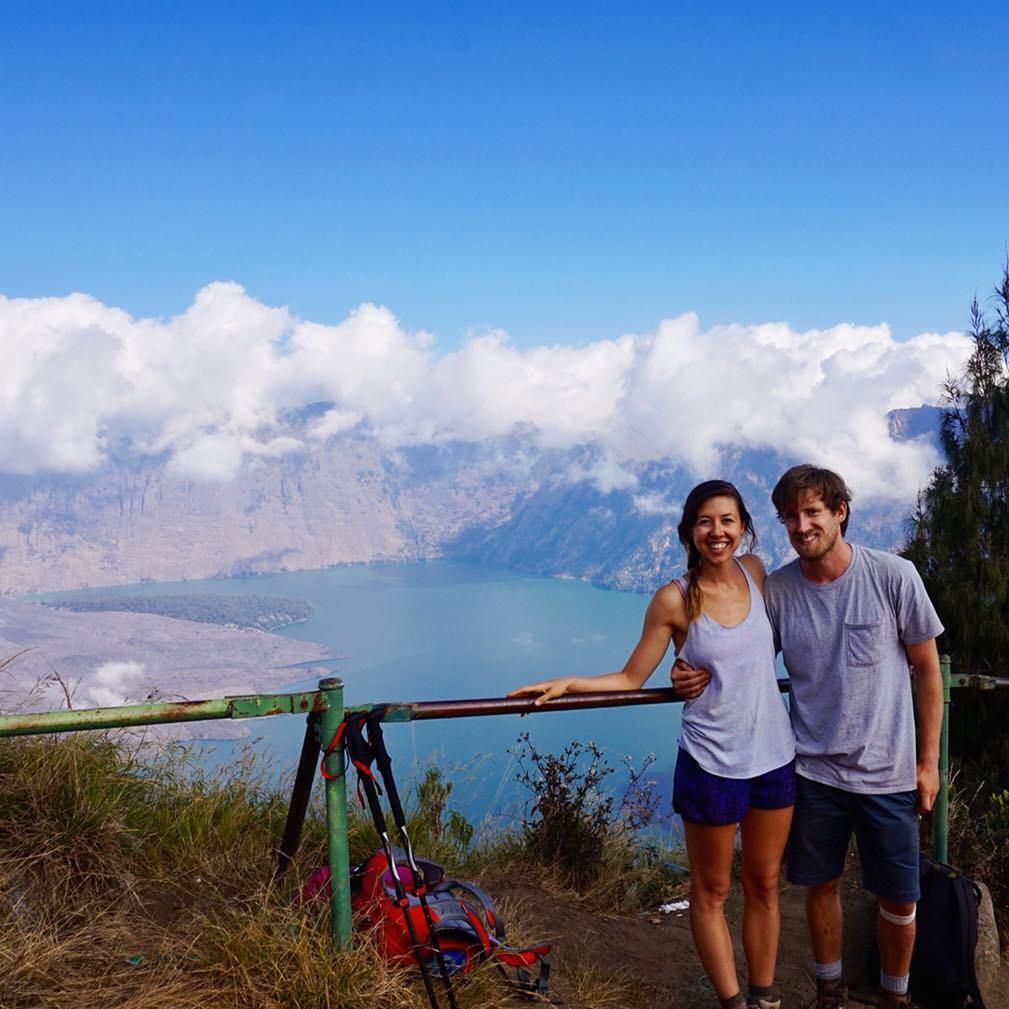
442	832
432	798
640	803
580	837
570	815
577	832
995	822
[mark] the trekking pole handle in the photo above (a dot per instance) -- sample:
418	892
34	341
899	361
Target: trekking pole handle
384	763
361	758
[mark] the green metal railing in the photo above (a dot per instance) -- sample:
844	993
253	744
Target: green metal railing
325	711
940	822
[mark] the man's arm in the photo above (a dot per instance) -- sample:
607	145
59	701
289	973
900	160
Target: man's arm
687	681
924	659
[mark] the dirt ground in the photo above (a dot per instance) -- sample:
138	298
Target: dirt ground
656	956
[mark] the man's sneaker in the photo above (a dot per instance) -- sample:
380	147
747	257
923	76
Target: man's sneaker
830	995
763	1003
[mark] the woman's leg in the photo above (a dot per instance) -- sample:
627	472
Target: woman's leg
710	852
765	832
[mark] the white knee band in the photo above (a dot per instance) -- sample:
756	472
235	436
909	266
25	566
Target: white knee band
897	919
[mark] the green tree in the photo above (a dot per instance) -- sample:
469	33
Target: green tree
960	539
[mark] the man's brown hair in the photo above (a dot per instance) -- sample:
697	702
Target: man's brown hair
825	483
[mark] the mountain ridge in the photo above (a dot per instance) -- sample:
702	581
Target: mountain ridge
507	501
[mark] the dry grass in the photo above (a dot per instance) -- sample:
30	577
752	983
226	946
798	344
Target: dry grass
631	877
133	885
591	987
150	885
259	952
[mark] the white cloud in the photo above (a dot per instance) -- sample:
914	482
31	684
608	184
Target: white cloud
210	457
209	389
607	474
113	684
333	422
656	504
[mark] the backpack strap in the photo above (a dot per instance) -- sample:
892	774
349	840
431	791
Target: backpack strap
496	934
523	983
537	990
496	922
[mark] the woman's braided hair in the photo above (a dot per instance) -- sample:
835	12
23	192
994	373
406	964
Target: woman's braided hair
685	530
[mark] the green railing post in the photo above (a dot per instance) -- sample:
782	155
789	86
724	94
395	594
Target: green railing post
940	818
336	814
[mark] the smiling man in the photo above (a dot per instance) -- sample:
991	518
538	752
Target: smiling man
849	622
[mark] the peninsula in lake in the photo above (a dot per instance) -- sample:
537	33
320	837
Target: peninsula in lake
51	658
249	610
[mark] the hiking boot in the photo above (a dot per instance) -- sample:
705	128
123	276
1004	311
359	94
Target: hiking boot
890	1000
830	995
764	1003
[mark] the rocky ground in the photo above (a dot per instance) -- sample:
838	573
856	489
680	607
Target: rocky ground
653	954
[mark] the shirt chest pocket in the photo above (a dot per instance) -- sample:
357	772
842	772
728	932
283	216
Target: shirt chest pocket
863	643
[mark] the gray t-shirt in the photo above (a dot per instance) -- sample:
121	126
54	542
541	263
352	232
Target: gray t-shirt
843	646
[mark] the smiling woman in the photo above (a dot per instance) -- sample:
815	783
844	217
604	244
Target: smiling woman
736	762
714	522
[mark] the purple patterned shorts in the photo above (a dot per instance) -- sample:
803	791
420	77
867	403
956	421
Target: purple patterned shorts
705	798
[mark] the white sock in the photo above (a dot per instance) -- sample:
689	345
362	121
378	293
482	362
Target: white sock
828	971
897	985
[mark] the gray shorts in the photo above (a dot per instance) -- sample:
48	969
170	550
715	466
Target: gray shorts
885	828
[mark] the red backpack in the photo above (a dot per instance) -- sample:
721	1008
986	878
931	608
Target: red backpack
444	925
468	928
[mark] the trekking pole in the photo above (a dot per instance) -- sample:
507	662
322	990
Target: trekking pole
361	757
384	763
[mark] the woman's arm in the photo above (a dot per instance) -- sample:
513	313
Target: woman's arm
666	615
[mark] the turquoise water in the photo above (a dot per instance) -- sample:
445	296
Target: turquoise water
445	630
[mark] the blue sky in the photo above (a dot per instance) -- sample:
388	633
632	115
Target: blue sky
565	172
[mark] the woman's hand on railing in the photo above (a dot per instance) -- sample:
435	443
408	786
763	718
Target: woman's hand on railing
687	681
545	690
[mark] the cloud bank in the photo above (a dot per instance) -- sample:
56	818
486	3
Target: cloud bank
214	387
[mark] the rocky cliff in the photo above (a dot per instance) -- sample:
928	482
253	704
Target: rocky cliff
507	501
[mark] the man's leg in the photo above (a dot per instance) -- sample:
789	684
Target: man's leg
826	926
886	829
896	933
817	846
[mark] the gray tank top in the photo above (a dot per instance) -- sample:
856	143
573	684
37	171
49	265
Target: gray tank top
738	727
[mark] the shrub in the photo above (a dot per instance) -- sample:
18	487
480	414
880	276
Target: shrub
444	833
978	831
570	815
577	832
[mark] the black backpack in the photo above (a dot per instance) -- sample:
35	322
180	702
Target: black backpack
942	965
